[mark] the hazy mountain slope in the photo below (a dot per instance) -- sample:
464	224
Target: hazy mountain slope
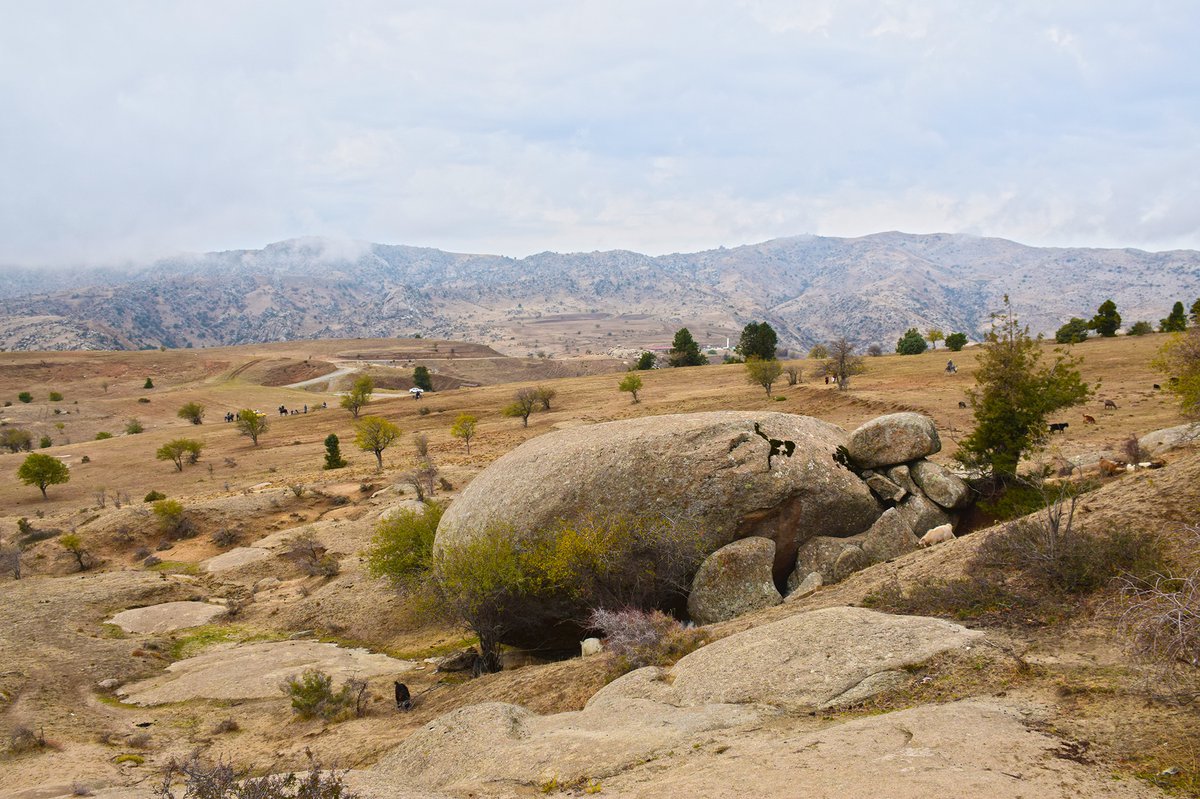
810	288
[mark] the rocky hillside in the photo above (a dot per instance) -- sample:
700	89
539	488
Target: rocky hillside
810	288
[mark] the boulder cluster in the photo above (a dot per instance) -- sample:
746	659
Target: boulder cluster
914	496
773	525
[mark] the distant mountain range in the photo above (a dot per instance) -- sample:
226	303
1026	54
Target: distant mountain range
810	288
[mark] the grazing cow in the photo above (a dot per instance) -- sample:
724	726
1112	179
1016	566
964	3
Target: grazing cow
1109	405
937	535
962	404
403	697
1111	468
1058	427
1089	419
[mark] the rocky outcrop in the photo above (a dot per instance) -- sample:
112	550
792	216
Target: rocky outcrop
889	537
922	515
710	468
808	661
894	438
735	579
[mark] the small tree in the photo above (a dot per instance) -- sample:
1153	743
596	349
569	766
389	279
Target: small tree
685	351
524	401
1179	359
375	434
10	560
911	343
956	341
874	350
544	395
25	397
464	428
646	361
1014	394
73	543
180	449
818	352
842	363
251	424
1073	332
794	374
1107	320
759	341
43	470
172	518
1194	315
133	426
631	383
148	384
359	395
333	453
192	411
763	373
421	379
1139	329
14	439
1175	322
402	548
934	336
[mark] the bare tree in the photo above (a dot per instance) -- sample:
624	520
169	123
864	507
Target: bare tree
842	363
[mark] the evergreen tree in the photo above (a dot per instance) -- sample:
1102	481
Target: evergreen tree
911	343
1195	314
685	351
1175	322
333	453
1014	394
646	361
1107	320
1139	329
758	341
421	379
956	341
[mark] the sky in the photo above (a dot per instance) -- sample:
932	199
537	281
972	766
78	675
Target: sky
130	130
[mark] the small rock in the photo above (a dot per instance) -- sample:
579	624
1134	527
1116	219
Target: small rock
894	438
735	579
922	515
851	560
807	586
108	684
885	489
266	584
944	488
888	538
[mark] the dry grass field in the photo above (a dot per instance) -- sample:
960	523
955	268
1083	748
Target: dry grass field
56	647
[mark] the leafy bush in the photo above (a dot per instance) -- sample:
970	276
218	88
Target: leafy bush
102	435
956	341
154	496
1139	329
311	556
220	780
402	548
192	412
172	519
1073	332
25	396
148	384
313	696
133	426
14	439
45	442
55	396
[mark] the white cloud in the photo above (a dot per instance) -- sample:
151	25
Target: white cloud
659	126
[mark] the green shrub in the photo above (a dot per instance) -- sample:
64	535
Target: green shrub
44	442
25	396
911	343
154	496
148	384
402	548
103	435
172	519
55	396
333	453
133	426
313	696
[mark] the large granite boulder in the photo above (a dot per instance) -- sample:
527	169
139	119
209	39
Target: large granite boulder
894	438
822	555
944	488
889	537
922	514
710	468
735	579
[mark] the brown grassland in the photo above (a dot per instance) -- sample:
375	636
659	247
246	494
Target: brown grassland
55	646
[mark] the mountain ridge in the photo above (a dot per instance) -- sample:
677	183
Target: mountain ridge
811	288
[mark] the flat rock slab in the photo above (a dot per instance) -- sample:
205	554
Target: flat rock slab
255	671
235	558
803	662
166	617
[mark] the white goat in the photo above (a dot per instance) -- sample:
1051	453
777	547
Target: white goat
937	535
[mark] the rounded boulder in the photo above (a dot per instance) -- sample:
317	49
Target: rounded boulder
894	438
735	579
709	468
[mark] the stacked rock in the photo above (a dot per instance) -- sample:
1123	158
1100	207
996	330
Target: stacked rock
919	495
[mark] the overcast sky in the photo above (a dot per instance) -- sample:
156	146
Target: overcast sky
135	129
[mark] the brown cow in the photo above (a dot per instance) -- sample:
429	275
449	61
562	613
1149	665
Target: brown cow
1089	419
1111	468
